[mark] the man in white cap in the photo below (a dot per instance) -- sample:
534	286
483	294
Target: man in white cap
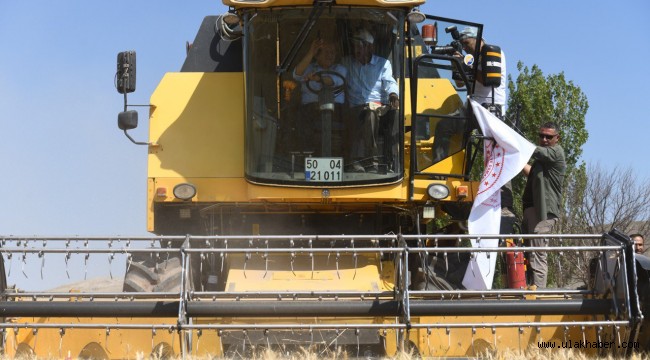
485	94
371	87
493	99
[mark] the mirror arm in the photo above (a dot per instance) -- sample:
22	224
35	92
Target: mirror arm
135	142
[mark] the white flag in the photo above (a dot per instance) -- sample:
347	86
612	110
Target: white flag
504	158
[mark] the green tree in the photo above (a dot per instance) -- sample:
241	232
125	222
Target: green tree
538	99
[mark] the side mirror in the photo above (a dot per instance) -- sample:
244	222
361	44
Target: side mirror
125	83
125	72
127	120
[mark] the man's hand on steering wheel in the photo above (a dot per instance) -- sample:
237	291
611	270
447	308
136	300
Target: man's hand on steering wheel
325	80
326	77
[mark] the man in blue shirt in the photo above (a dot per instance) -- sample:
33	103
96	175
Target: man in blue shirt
372	91
321	59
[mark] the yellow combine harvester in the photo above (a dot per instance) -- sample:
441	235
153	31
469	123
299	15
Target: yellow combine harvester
275	228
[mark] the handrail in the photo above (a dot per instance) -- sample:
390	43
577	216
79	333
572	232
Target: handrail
402	304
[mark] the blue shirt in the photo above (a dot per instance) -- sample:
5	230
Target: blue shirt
309	97
372	82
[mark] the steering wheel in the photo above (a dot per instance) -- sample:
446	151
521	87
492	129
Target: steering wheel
335	89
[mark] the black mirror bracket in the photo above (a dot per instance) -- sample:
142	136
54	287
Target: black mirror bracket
125	83
135	142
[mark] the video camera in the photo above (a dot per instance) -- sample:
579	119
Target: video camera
454	46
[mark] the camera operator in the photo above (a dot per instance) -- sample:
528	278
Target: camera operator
492	98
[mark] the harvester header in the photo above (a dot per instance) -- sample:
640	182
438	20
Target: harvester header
309	182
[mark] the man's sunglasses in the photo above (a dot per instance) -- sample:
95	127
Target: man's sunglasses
547	137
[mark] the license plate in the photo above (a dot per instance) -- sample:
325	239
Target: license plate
323	169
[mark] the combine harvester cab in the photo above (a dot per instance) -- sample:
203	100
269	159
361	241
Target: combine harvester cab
284	221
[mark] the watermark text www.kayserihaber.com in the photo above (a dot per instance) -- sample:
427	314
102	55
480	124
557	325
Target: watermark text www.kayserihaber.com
587	345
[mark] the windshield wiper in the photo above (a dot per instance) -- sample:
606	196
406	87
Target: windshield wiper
314	15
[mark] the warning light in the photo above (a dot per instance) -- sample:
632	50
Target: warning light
462	191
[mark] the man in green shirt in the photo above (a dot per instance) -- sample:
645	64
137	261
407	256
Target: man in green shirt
542	197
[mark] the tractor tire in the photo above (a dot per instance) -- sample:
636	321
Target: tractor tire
147	274
140	275
169	272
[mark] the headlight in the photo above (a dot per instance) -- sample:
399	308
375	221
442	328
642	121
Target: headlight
184	191
438	191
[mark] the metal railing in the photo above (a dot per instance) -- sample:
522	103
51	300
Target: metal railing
609	299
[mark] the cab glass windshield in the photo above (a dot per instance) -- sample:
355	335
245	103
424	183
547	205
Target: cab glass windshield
323	98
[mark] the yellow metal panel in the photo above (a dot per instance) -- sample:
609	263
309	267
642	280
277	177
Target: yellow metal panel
454	164
460	342
393	192
207	344
238	190
407	102
197	124
273	273
451	165
151	190
119	344
207	190
435	97
420	189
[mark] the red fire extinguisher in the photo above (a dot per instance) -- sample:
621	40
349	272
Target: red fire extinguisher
516	267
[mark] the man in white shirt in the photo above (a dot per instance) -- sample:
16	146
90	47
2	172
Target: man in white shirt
371	91
485	95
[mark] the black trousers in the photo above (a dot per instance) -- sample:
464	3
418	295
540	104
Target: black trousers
372	136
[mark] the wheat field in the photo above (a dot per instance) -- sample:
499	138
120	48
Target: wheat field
531	353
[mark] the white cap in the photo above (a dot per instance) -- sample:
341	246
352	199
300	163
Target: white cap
469	32
363	35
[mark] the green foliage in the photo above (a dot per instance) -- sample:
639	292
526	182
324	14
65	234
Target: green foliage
574	196
551	98
540	99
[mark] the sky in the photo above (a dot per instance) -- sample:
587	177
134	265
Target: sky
68	170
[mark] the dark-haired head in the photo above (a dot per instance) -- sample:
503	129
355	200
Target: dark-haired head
550	125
